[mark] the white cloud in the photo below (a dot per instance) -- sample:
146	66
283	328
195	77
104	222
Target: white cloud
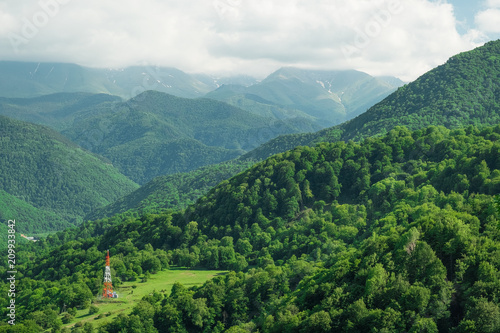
493	3
488	20
386	37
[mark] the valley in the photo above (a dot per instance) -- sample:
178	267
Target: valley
309	201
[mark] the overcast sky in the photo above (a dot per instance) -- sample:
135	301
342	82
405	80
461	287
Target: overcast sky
403	38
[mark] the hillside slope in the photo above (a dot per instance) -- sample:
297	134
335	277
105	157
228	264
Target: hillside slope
171	192
464	91
155	134
325	97
47	171
396	233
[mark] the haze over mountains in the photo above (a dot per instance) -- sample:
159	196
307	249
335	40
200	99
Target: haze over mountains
329	97
156	134
25	79
365	226
418	104
31	79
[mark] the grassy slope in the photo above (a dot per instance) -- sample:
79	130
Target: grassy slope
129	296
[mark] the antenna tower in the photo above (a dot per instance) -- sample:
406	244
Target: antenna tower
107	291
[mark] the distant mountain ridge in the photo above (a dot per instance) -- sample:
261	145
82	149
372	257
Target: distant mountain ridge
31	79
324	97
331	96
479	104
463	91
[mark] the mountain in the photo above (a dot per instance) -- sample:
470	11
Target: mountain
451	76
26	80
52	176
171	192
155	134
456	94
464	91
31	220
138	135
397	233
57	111
325	97
217	81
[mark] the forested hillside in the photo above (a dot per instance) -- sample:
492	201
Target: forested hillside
460	83
155	134
464	91
51	174
171	192
31	219
398	233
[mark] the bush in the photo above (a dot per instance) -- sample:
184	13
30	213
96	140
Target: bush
67	318
93	309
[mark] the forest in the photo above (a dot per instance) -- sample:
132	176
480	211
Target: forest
395	233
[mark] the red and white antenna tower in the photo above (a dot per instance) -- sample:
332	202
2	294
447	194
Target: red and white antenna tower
107	292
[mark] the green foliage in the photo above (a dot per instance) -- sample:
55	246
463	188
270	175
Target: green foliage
52	176
462	92
396	233
33	220
171	192
93	309
155	134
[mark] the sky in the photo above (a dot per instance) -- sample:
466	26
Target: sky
402	38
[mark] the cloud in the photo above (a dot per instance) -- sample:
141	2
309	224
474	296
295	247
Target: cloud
488	20
493	3
386	37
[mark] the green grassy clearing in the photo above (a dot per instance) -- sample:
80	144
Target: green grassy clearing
129	296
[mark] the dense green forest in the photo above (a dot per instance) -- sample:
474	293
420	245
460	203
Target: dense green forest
52	176
398	233
464	91
32	220
171	192
451	77
155	134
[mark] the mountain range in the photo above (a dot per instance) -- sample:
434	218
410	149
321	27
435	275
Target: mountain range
156	134
29	79
479	103
329	97
388	222
463	91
